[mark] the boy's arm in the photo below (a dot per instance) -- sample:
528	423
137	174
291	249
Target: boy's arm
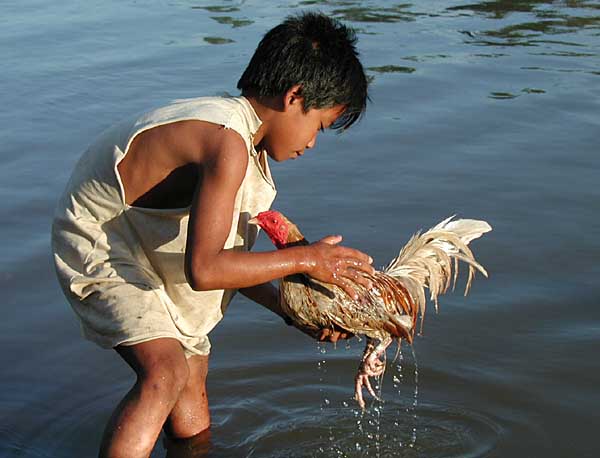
267	295
208	266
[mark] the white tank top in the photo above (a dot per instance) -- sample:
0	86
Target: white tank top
99	241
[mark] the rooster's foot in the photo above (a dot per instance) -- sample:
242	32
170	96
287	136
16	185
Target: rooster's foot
362	380
370	366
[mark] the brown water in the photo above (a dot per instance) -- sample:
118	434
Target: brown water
486	109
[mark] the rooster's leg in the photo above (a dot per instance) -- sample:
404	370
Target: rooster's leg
371	365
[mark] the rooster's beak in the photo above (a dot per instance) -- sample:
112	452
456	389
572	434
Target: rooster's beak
253	221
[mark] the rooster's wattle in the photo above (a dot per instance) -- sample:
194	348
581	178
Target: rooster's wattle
389	309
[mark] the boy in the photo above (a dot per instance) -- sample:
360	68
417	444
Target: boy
151	237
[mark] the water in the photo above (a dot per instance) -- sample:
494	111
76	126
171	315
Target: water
485	109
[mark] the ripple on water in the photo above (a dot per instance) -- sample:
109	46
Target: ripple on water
65	422
441	432
316	419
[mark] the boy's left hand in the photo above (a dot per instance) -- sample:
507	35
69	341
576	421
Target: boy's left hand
324	335
329	335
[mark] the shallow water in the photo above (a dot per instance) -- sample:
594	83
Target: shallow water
485	109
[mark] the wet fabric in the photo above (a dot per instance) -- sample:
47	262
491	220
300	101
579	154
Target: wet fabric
122	267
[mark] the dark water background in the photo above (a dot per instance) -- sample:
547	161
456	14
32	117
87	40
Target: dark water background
486	109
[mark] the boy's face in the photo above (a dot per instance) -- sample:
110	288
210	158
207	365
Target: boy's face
292	130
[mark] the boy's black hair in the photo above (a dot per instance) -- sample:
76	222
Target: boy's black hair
319	54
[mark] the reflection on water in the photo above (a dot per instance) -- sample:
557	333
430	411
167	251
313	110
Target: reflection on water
233	22
379	14
218	40
499	9
502	95
361	11
392	69
545	20
218	8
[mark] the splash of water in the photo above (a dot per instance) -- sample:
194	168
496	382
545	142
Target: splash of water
397	382
372	435
322	368
415	398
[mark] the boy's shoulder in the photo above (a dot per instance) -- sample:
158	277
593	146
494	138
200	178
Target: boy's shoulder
193	130
232	113
159	166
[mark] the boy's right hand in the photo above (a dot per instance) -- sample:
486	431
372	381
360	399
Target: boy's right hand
342	266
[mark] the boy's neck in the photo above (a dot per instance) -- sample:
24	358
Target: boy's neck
264	107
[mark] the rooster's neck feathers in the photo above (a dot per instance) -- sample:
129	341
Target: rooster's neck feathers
295	237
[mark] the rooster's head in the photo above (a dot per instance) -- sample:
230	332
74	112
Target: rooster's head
280	230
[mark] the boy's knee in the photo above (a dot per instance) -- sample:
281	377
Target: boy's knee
166	379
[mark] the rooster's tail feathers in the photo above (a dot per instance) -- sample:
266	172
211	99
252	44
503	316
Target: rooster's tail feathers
427	259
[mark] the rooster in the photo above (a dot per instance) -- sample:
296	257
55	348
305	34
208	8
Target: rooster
389	309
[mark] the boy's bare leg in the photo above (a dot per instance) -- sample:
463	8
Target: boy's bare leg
198	446
190	415
162	373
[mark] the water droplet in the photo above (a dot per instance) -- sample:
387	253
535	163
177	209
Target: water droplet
326	401
344	403
396	379
357	447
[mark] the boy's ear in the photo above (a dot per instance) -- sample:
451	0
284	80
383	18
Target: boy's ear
293	96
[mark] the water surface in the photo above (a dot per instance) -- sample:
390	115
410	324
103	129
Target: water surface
484	109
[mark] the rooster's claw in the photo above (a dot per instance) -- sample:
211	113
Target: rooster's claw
362	380
370	366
